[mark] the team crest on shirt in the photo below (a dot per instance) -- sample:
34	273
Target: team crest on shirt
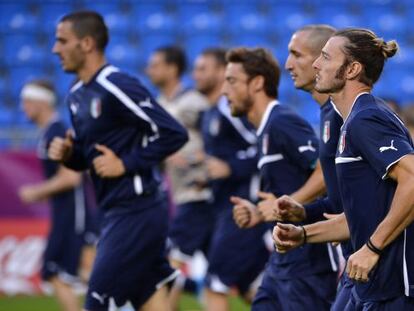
74	107
265	143
214	127
342	142
326	131
96	107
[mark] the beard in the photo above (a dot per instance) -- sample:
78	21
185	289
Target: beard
207	88
337	83
75	60
243	109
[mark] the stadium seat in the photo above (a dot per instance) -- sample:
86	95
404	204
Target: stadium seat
50	14
195	45
102	7
386	23
22	49
15	18
337	16
122	54
148	43
288	18
115	19
19	75
199	19
62	82
246	20
153	18
6	116
251	41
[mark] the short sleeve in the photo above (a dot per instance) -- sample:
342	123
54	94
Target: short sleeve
56	130
299	141
381	139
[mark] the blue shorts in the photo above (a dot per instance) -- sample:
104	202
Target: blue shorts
344	293
130	262
309	293
64	247
401	303
236	256
192	228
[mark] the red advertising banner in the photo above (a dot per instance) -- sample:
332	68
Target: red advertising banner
23	227
22	242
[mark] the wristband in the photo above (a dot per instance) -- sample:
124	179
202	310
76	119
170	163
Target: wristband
373	248
305	236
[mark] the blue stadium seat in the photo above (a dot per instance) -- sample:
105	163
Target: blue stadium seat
19	75
380	3
63	82
22	49
117	23
386	23
115	19
307	107
102	7
199	19
195	45
6	116
16	18
286	86
403	58
51	13
337	16
406	79
122	53
246	20
153	18
148	43
390	83
289	18
251	41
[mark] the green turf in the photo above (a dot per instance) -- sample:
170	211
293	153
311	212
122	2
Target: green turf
23	303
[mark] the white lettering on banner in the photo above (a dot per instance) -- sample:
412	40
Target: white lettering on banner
20	261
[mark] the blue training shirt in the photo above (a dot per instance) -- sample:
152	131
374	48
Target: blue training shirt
116	110
233	141
288	151
372	139
67	207
330	127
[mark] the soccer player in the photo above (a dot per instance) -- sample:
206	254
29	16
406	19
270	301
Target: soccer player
288	151
375	174
70	218
304	47
191	226
236	257
121	135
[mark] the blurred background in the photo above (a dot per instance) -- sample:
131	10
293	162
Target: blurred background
137	27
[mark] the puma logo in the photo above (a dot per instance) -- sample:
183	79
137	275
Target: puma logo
73	107
307	147
391	147
100	298
146	103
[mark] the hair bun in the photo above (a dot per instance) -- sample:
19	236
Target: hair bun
388	49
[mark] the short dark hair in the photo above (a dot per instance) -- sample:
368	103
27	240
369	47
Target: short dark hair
89	23
365	47
258	62
174	55
219	55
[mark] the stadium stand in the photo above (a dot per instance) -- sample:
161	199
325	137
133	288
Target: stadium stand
138	27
